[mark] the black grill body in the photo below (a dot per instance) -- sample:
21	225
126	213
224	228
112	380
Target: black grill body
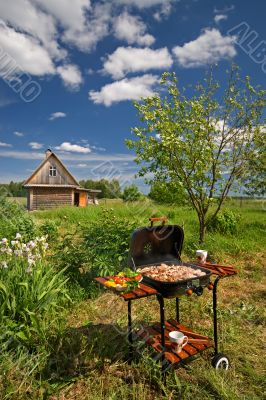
152	246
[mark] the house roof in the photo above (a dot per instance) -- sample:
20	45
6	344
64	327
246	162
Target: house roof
43	185
43	163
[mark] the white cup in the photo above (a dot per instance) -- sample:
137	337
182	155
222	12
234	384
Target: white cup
178	341
201	256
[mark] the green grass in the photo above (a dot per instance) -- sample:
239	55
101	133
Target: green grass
88	360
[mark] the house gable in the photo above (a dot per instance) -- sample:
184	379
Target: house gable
41	175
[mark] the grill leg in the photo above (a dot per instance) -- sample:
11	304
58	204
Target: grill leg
162	320
215	329
129	330
177	309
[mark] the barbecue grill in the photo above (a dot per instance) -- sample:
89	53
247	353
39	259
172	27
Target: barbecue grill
154	245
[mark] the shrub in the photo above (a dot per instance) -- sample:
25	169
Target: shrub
50	229
131	193
225	222
14	219
107	243
167	193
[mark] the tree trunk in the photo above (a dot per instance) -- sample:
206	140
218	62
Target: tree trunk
202	229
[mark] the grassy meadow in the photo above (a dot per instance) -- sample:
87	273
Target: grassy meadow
86	358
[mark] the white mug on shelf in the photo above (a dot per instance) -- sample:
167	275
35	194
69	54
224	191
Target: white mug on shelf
178	341
201	256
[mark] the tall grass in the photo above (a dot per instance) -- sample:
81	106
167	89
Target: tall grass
87	359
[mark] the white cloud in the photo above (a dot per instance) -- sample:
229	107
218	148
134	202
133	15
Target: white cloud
208	48
98	148
132	29
36	145
30	155
164	12
27	54
73	148
126	89
142	3
82	165
18	134
2	144
24	16
71	76
86	36
56	115
220	17
130	59
224	10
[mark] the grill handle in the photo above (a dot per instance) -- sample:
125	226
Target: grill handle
163	220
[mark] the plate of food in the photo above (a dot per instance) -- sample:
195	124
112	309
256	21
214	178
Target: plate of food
125	280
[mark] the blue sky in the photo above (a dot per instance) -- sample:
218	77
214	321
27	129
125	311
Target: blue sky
82	62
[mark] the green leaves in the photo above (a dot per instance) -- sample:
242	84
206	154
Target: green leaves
204	140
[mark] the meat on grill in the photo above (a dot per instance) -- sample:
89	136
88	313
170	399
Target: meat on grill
170	273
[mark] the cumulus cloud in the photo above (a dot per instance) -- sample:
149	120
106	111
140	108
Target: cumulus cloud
18	134
208	48
131	59
24	16
24	52
132	29
36	145
3	144
125	89
73	148
220	17
71	76
56	115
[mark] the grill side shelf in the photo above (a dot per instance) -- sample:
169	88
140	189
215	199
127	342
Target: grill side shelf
142	291
217	269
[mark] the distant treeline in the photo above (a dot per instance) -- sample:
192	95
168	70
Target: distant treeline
109	189
13	189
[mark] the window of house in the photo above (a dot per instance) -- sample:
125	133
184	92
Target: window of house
52	171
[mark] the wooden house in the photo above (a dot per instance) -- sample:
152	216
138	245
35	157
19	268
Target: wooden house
52	185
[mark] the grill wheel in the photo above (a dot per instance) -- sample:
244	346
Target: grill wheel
220	361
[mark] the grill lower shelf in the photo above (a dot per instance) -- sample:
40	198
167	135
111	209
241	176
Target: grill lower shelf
152	336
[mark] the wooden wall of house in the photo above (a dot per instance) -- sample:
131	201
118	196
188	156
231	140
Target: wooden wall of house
62	176
44	198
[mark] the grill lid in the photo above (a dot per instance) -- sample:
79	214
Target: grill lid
156	244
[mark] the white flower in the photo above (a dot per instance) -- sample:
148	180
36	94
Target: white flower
32	244
29	270
14	243
9	251
18	253
31	261
45	245
4	264
4	241
18	236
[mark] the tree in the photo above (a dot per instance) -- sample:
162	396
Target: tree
202	142
131	193
255	177
167	193
109	189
